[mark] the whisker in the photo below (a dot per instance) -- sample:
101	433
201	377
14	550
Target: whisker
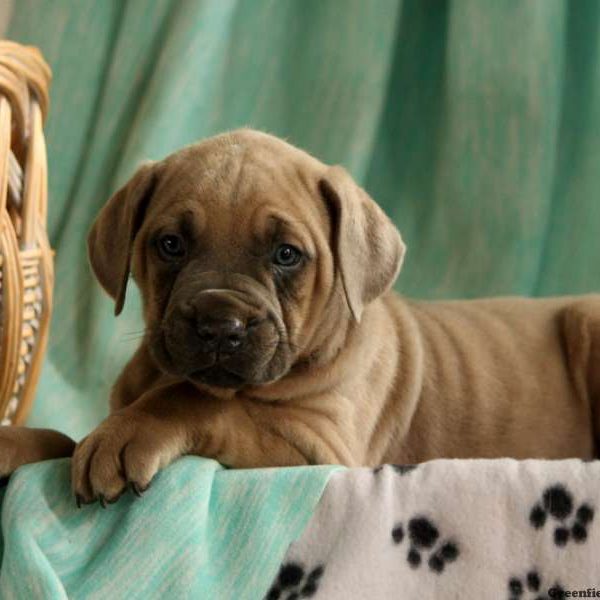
139	332
131	339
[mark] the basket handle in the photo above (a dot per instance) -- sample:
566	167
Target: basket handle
24	83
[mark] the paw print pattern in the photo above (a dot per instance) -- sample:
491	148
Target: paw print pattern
530	588
400	469
557	502
293	583
423	538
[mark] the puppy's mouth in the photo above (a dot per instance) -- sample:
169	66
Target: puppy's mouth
218	376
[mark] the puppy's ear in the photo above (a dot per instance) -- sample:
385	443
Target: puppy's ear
110	240
367	246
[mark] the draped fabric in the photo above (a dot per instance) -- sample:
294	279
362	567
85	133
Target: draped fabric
475	124
199	532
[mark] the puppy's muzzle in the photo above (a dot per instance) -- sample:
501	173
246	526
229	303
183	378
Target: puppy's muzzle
220	320
222	336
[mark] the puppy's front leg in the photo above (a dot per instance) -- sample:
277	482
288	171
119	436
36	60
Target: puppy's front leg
24	445
132	444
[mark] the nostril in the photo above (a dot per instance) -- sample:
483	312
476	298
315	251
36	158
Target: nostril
234	340
227	335
207	335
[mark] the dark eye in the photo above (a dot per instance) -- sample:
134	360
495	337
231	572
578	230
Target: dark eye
287	256
171	246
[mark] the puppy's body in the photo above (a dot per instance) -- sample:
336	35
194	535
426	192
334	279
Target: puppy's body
500	377
273	338
422	380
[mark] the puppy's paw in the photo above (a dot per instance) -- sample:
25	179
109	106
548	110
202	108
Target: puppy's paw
22	445
126	450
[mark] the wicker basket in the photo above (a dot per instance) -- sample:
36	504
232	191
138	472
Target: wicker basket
26	269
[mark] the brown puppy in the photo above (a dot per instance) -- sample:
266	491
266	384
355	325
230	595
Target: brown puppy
273	339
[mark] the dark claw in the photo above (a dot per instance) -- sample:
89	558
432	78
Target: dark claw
102	501
78	500
136	489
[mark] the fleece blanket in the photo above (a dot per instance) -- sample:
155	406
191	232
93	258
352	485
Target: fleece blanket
199	532
447	529
451	529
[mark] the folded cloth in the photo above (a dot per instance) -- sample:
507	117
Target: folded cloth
200	531
481	529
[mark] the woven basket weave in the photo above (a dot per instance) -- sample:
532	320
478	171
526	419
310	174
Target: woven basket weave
26	269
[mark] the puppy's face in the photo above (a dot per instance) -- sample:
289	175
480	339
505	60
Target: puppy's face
228	260
244	249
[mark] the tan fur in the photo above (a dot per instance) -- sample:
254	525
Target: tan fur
370	377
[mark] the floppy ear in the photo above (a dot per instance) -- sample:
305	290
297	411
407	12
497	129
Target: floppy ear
111	237
367	246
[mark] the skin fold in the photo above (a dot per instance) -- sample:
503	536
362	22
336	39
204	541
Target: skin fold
257	355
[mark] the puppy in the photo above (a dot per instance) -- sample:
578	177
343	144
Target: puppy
273	339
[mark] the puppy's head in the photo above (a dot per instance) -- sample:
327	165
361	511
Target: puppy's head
245	250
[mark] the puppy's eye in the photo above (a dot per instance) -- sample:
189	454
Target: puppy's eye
171	246
287	256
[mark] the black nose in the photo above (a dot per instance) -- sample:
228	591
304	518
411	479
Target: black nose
224	335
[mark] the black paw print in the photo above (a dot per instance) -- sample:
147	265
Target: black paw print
400	469
558	502
423	535
293	583
530	587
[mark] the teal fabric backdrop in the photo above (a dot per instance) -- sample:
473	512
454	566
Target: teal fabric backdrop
475	123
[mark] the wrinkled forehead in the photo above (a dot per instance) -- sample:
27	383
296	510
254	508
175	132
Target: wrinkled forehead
239	184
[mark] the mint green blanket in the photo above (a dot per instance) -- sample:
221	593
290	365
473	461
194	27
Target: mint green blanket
200	531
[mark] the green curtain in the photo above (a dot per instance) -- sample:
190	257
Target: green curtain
474	123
